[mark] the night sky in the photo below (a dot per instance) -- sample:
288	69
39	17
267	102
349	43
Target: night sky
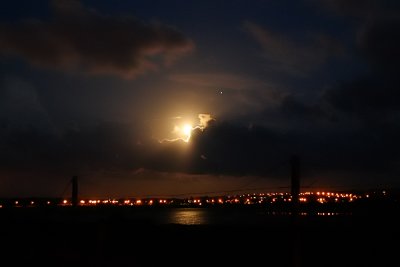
146	98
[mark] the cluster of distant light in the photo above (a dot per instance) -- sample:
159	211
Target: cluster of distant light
326	197
321	197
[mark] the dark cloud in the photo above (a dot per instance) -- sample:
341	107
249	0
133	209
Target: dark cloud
367	9
105	146
220	149
376	29
369	98
295	109
294	56
372	96
379	43
82	39
21	106
366	97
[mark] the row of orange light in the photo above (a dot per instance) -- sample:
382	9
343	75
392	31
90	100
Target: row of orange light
98	201
164	201
259	198
125	202
383	192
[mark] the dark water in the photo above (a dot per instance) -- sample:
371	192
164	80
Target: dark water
239	216
195	236
149	216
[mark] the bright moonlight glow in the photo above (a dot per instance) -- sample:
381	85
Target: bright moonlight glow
187	129
183	129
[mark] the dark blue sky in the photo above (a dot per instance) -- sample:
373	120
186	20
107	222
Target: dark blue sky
103	89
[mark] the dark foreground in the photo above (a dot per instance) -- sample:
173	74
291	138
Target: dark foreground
108	237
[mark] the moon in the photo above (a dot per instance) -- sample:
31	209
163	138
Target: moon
187	129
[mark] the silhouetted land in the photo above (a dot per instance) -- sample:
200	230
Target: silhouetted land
228	236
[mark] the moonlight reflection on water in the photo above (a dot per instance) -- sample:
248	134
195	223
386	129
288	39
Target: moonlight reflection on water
188	217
